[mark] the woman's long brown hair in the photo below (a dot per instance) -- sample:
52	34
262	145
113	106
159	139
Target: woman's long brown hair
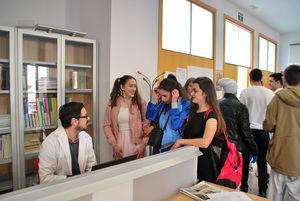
207	86
117	92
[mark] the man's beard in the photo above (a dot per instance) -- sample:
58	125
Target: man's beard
79	128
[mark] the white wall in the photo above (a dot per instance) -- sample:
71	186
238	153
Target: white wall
95	19
134	40
14	12
286	40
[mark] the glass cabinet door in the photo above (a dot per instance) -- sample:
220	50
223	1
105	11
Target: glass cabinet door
6	130
79	77
39	77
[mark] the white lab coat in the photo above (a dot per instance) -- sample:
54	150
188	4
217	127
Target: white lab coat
55	157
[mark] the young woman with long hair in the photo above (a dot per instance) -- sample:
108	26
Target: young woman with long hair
172	111
205	121
125	120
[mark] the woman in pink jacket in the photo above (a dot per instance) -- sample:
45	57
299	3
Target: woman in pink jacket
125	120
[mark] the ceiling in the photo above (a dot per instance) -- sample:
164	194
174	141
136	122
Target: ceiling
281	15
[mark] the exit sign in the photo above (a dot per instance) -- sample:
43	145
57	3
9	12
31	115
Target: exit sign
240	16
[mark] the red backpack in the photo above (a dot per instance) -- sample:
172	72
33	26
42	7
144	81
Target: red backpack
228	170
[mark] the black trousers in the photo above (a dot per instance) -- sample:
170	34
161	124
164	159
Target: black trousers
262	139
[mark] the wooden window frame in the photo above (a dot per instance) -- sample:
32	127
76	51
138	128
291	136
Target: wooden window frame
241	25
168	59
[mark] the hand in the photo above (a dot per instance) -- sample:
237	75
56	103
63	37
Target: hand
252	159
176	145
117	152
175	95
148	130
155	93
140	150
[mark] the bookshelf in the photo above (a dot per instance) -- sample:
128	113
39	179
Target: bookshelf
7	110
45	64
79	61
34	84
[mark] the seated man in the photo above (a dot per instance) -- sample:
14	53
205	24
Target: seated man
68	150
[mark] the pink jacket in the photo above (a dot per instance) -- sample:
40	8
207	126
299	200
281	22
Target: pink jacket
137	122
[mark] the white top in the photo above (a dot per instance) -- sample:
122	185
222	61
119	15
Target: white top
123	119
256	99
55	157
277	90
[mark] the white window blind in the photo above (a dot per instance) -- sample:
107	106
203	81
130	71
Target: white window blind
237	45
187	28
202	32
294	57
267	57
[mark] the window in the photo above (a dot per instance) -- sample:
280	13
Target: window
267	54
294	57
238	46
187	28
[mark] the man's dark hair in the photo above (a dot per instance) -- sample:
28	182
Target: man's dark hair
256	75
69	111
292	75
277	77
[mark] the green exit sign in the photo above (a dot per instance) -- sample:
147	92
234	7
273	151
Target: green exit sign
240	16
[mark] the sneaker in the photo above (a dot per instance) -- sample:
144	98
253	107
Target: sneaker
262	194
244	189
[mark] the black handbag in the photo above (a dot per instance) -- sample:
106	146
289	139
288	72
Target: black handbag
157	134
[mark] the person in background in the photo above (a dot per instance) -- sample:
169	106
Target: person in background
236	117
200	130
172	111
275	82
124	119
188	87
283	117
256	98
68	150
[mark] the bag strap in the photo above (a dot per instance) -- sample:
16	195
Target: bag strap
161	111
167	122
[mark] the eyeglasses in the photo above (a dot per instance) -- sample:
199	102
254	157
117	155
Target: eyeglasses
83	117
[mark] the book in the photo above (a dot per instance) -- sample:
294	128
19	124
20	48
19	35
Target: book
201	191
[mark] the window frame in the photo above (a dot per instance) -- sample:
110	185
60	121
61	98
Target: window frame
243	26
268	40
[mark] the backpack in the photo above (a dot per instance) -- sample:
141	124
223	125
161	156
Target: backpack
228	170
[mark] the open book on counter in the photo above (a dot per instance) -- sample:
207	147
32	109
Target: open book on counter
205	192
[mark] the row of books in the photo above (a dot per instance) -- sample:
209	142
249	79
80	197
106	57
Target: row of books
4	77
41	112
5	146
31	143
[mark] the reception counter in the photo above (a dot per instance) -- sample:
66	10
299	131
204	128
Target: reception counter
156	177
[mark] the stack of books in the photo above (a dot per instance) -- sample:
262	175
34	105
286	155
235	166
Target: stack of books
4	121
32	142
47	83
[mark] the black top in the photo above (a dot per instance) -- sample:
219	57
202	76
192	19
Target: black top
74	146
195	129
236	117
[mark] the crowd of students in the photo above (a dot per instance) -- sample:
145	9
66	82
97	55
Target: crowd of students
182	114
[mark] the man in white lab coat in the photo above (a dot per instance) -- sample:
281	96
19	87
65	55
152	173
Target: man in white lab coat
68	150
